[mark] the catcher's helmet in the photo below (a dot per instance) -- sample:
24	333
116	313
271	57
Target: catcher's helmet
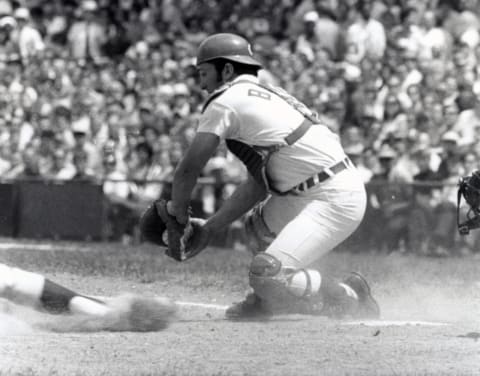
226	46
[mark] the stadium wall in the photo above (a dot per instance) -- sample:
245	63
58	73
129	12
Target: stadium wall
397	215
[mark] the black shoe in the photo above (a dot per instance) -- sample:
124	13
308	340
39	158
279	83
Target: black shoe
368	307
338	307
251	308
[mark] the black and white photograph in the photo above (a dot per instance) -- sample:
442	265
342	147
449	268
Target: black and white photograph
239	187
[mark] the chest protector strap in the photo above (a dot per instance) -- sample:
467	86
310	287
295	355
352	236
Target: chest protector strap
255	158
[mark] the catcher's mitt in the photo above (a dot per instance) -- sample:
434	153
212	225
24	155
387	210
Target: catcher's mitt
161	228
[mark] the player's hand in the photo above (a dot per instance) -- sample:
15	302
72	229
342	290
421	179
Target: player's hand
196	237
173	229
181	216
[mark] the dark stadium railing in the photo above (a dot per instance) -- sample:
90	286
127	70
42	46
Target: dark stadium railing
399	215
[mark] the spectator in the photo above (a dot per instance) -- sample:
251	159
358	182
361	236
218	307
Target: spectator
61	121
437	121
87	35
57	19
449	87
436	43
143	188
6	162
445	233
394	121
149	119
413	100
425	199
411	34
45	148
450	117
30	42
468	119
28	168
142	171
394	87
388	205
150	135
82	143
356	155
450	156
26	130
83	173
405	166
115	186
116	190
366	36
9	50
352	136
460	18
60	167
321	31
464	61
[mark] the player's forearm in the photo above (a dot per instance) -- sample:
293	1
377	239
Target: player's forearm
186	174
241	201
184	181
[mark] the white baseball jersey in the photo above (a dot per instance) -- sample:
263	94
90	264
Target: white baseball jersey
311	223
250	114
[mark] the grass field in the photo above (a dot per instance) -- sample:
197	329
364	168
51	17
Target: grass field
442	291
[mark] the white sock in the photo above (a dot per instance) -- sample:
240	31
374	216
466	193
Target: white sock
83	305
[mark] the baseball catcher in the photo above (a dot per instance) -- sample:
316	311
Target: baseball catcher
79	312
302	197
469	189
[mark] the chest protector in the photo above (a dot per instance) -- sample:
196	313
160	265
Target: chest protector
256	157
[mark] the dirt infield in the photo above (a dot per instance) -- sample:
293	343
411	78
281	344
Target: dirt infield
201	342
442	307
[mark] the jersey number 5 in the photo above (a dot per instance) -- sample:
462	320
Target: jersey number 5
259	94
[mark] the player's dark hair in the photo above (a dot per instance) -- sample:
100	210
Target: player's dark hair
239	67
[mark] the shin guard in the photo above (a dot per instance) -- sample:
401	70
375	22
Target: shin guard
280	286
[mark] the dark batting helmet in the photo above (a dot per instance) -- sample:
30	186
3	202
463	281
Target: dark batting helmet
226	46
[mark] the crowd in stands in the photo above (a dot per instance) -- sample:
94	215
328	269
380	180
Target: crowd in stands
105	90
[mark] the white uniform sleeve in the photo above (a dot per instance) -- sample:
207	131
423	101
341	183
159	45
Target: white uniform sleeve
218	119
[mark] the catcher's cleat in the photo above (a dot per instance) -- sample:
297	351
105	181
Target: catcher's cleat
337	307
368	307
251	308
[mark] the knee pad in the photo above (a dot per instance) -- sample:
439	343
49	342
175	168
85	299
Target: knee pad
271	281
258	235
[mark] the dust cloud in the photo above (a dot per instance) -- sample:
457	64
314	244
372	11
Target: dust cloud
449	303
10	325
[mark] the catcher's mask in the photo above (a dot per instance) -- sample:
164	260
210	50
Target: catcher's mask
469	189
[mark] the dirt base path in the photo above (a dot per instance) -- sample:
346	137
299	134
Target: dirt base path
202	342
442	294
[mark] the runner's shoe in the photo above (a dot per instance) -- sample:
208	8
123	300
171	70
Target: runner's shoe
368	307
251	308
